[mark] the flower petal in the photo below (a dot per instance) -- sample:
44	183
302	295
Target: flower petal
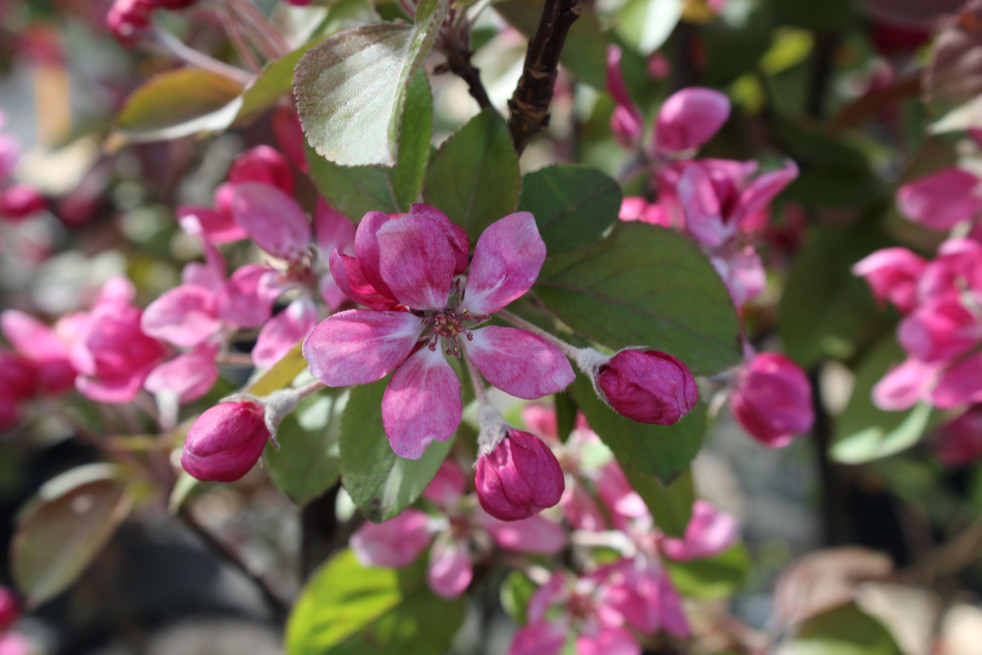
184	316
367	249
518	362
701	205
689	118
190	375
350	278
395	543
507	260
283	332
416	262
450	570
273	219
421	403
940	200
539	639
535	534
360	345
214	226
246	299
709	533
762	191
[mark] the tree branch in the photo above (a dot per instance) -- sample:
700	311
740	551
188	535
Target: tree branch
459	63
529	105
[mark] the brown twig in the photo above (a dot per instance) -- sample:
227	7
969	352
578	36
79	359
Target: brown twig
529	105
459	63
277	606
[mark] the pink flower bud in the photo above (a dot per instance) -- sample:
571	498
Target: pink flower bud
20	201
128	20
647	386
262	164
18	377
9	609
519	478
225	442
772	400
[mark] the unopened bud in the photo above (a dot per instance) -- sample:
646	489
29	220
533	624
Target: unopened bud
226	441
128	20
647	386
772	400
518	478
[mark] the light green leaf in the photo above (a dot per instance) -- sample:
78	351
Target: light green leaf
646	24
573	205
663	451
176	104
846	630
474	177
347	609
64	527
711	578
351	88
282	374
516	592
381	483
356	190
308	461
645	286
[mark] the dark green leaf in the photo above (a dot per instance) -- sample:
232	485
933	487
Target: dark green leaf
351	88
474	177
347	609
846	630
670	505
573	205
176	104
821	16
663	451
825	310
566	411
64	527
516	592
381	483
308	461
356	190
711	577
645	286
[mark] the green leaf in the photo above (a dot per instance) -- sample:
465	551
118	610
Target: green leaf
825	310
820	16
308	461
646	24
863	431
663	451
573	205
381	483
474	177
711	578
64	527
516	592
846	630
645	286
585	54
351	88
347	609
356	190
275	81
670	505
176	104
282	374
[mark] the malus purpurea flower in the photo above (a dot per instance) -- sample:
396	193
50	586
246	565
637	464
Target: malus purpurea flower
407	269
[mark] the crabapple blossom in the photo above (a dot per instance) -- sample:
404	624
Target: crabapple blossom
226	441
942	199
647	386
892	274
46	349
771	399
405	268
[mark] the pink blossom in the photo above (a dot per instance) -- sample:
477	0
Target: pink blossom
939	330
263	164
189	375
689	118
128	20
892	274
959	384
18	377
43	347
404	268
639	589
941	200
709	533
626	122
647	386
519	478
904	385
225	442
20	201
957	267
636	208
112	354
959	442
771	399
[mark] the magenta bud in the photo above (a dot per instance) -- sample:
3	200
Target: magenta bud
520	477
128	20
20	201
647	386
772	400
9	609
225	442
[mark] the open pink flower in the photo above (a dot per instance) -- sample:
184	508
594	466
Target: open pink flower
771	399
892	274
709	533
404	268
941	200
